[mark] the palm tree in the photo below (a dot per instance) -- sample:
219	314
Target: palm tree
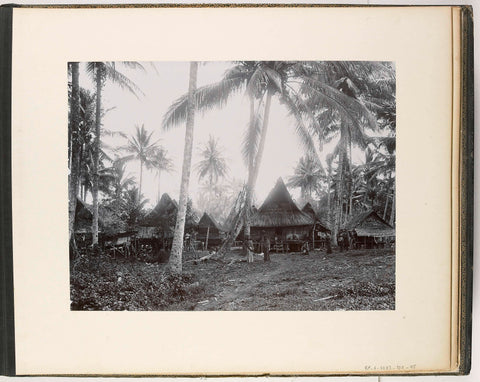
161	162
132	205
74	128
213	164
175	262
307	176
119	179
141	148
364	91
100	72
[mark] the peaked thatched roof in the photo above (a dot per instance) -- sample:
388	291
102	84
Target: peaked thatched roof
279	210
368	223
207	221
165	207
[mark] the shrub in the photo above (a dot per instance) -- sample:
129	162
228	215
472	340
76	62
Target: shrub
102	283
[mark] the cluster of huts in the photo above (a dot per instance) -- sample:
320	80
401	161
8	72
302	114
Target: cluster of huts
287	226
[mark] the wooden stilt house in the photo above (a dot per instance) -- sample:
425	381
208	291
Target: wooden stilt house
369	230
159	223
281	220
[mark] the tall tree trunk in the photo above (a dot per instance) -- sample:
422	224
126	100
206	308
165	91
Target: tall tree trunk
348	212
253	174
386	203
385	209
96	154
329	205
338	210
158	192
75	149
140	183
333	238
392	213
350	205
206	239
175	261
248	192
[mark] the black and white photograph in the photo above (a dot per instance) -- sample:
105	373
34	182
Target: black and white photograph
232	185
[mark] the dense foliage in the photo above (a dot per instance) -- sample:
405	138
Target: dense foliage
101	283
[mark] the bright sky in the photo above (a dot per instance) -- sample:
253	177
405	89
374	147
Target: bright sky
161	88
162	83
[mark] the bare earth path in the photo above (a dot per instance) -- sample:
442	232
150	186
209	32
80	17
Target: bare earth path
347	280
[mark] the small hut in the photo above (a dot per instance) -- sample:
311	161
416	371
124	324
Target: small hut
209	232
368	230
159	223
281	220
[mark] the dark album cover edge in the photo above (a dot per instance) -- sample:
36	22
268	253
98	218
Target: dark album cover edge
7	333
466	191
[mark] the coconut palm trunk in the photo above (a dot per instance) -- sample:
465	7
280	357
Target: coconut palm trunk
140	183
253	174
386	206
159	183
75	150
175	262
206	239
339	204
96	155
392	212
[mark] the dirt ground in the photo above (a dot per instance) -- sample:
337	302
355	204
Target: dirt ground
351	280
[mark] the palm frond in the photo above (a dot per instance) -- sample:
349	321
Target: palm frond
206	98
123	81
297	108
112	133
346	105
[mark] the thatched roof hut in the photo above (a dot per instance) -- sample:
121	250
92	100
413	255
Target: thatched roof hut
369	224
207	221
165	208
280	219
160	221
210	232
279	210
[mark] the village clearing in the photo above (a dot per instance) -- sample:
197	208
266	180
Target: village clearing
349	280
